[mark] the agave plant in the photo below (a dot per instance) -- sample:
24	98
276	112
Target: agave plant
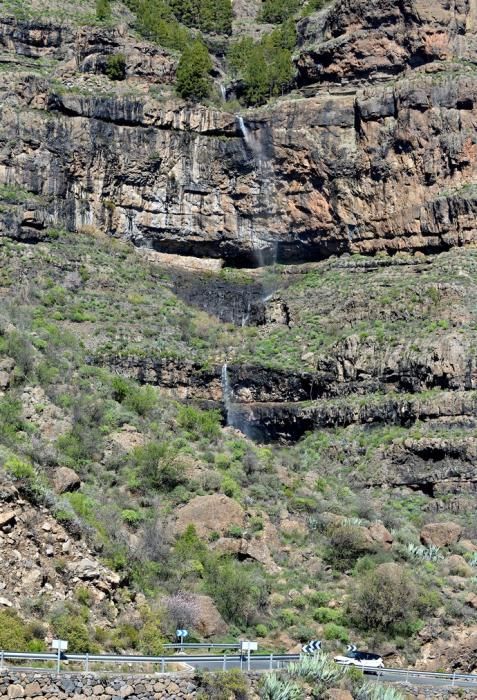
351	522
420	551
318	669
274	688
473	560
374	691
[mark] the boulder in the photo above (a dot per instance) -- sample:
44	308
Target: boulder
381	535
338	694
441	534
210	622
468	545
7	366
87	569
215	513
128	438
471	601
7	518
66	480
258	550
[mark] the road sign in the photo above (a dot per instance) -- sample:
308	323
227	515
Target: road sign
59	644
352	647
249	646
182	633
312	647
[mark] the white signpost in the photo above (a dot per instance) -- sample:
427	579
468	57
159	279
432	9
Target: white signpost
60	645
182	634
246	646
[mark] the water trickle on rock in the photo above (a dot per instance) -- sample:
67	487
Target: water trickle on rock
226	393
265	251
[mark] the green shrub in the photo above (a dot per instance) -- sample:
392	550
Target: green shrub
264	67
206	15
377	600
200	423
193	72
69	625
19	468
346	544
141	400
103	10
226	685
116	66
238	589
333	631
324	615
230	487
14	633
83	595
131	517
277	11
159	466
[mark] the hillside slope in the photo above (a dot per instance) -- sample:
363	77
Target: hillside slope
250	336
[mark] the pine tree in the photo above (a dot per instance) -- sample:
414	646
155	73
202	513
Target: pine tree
193	80
103	10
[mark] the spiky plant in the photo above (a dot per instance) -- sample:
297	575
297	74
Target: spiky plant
420	551
274	688
374	691
317	669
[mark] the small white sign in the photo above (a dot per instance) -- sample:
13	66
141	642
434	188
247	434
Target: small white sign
59	644
249	646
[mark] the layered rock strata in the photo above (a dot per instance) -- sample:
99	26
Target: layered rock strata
352	164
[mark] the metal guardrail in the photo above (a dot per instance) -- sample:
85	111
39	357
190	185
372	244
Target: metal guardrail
223	661
408	674
266	661
191	645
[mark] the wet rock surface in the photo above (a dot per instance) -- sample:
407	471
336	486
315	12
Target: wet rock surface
352	165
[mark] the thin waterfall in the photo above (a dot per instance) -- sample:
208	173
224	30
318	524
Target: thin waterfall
264	254
226	393
223	92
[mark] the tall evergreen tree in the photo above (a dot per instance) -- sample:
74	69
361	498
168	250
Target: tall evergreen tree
103	10
193	72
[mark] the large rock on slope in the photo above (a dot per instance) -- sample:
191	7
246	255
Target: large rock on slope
441	534
208	514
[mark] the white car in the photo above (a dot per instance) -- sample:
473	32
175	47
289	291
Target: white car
362	659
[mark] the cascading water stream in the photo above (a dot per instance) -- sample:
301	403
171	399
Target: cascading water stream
226	393
263	254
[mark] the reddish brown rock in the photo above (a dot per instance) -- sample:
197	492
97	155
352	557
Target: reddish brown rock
66	480
381	535
210	622
215	513
440	534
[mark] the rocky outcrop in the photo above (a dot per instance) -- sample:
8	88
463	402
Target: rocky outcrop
441	534
210	514
41	559
365	168
437	466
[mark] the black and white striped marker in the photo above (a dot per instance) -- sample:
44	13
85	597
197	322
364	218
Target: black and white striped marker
312	647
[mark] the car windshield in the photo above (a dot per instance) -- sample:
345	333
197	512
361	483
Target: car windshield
362	656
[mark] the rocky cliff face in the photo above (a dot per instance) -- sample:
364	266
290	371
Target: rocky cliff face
376	153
